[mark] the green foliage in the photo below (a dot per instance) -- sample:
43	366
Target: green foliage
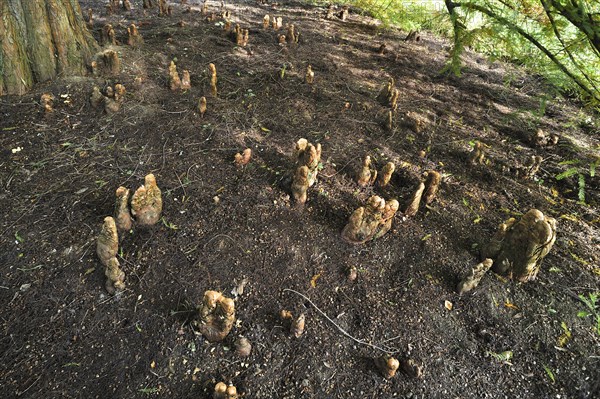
581	172
549	373
592	303
553	38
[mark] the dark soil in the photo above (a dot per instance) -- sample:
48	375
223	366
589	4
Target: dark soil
65	337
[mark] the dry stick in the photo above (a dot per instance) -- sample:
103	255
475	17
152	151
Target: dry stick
226	236
340	328
344	167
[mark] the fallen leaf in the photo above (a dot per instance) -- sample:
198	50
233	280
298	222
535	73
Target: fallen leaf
313	280
550	373
503	357
510	305
570	217
448	305
566	336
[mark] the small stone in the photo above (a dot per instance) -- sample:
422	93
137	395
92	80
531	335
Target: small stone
243	347
411	368
352	273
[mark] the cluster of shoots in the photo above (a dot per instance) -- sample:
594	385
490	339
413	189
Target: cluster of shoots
330	12
204	9
202	106
411	368
413	36
47	101
532	167
541	139
126	5
243	159
90	18
415	121
146	202
133	36
277	23
111	101
387	366
107	246
108	36
241	36
177	83
388	96
518	247
296	324
472	279
217	316
106	63
146	206
309	77
308	160
212	69
426	191
266	22
477	155
367	176
114	98
292	34
386	174
343	15
112	6
371	221
164	8
223	391
148	4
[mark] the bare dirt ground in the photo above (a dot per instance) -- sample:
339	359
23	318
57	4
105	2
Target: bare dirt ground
63	336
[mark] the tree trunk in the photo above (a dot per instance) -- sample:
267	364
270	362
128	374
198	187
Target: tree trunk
40	39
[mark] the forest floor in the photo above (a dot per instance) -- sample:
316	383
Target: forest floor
64	336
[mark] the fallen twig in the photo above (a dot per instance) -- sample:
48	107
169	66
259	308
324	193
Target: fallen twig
359	341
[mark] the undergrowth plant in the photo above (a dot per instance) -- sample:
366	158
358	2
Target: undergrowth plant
556	39
592	303
576	168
